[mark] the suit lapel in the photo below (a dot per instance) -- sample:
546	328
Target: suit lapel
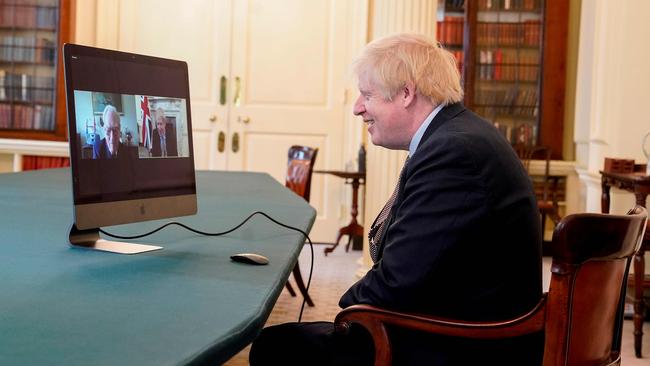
445	114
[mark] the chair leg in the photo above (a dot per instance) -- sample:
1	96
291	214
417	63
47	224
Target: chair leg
290	289
301	285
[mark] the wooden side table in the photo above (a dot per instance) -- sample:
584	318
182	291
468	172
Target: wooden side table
353	230
639	184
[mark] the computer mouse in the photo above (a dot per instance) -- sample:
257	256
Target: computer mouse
250	258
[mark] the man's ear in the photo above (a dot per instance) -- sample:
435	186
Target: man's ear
408	94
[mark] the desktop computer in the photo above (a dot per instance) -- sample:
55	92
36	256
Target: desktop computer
130	135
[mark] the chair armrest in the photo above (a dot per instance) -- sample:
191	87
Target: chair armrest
374	320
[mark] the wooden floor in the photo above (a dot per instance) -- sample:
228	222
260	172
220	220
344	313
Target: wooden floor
336	272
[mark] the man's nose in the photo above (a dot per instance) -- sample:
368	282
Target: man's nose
358	108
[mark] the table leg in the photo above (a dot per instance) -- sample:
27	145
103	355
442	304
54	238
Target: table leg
639	304
301	285
604	198
352	229
290	289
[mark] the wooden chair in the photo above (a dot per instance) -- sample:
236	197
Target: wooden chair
298	179
547	201
581	315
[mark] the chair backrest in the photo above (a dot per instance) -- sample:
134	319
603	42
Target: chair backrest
300	166
591	260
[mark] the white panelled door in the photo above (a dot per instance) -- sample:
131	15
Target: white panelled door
198	32
264	75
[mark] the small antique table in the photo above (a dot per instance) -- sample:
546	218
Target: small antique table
353	230
638	183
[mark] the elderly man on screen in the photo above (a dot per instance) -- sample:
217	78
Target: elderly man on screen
459	237
110	146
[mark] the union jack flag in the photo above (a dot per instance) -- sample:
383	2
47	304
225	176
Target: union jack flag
146	123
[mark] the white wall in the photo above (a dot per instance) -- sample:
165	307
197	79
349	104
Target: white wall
613	87
612	94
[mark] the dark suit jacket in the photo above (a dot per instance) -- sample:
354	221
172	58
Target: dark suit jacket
100	150
170	135
115	174
463	241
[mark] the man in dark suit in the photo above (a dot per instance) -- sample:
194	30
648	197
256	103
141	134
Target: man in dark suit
110	146
460	236
163	138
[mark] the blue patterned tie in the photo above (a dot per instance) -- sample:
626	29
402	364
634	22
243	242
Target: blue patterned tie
377	229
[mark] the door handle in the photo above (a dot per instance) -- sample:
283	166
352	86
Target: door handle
213	118
221	142
223	87
235	142
245	120
237	99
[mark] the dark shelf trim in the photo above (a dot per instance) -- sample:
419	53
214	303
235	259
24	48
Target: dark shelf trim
537	11
24	102
496	45
20	5
27	29
482	81
28	47
23	63
502	64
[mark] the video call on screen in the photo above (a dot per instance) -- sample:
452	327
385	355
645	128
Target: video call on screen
153	126
130	131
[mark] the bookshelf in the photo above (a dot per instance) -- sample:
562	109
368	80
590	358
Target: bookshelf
513	61
32	99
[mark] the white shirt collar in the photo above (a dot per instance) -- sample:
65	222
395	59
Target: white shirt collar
415	140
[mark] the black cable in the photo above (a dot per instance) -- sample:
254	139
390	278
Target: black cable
311	245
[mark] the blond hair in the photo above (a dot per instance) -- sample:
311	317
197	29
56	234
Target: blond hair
160	112
394	61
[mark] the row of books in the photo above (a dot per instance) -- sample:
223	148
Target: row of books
27	117
28	15
26	88
508	65
33	162
27	49
450	30
460	58
522	133
526	33
525	5
511	101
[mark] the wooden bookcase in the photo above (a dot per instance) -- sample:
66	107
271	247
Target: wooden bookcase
32	92
512	55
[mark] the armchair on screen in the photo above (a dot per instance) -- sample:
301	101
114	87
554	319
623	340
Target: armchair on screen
547	200
300	166
581	315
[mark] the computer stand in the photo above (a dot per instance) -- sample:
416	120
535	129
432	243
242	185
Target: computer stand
89	239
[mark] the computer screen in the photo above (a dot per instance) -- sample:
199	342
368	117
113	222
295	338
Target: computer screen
130	135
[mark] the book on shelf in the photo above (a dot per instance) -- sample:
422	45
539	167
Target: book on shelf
33	162
522	133
28	15
26	88
450	30
510	5
507	65
27	49
32	117
514	34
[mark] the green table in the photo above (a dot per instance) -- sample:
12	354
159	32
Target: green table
185	304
